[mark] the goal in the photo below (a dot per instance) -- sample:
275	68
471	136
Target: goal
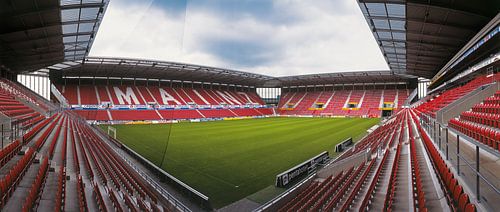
112	130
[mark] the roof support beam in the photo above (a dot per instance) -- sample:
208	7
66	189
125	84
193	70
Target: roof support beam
434	4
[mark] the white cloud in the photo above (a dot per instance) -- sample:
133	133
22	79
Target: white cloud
327	36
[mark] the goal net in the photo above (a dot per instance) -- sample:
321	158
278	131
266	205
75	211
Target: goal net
112	130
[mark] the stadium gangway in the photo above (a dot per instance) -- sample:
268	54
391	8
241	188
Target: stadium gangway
432	141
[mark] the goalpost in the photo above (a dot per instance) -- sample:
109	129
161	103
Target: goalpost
113	130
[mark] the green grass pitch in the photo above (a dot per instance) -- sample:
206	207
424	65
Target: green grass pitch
229	160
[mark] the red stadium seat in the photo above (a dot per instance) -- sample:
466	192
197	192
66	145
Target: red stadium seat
470	208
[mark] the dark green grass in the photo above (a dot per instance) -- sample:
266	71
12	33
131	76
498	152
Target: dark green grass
229	160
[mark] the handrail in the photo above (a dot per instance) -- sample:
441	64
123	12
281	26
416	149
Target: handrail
412	95
59	96
462	158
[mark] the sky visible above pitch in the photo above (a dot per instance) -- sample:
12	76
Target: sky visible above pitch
271	37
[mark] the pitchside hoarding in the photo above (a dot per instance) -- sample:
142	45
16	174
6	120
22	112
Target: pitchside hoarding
294	173
343	145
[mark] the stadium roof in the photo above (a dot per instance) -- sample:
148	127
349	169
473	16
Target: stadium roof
419	37
343	78
153	69
38	33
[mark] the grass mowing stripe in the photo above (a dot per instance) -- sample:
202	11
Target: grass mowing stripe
228	160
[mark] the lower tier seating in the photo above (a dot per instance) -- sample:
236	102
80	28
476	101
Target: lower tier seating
26	184
143	115
379	184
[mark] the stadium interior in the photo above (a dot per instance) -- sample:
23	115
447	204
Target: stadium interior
435	148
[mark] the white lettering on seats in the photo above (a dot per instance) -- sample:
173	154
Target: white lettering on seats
246	96
127	97
229	99
201	97
166	97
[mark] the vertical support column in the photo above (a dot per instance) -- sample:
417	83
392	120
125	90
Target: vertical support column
458	152
439	136
478	195
11	130
434	131
447	135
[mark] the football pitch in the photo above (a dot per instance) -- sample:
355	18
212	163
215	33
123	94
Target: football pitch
229	160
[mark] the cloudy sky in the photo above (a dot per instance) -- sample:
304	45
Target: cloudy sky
272	37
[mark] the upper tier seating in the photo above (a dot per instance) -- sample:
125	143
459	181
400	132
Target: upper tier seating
442	100
482	122
140	95
25	94
20	113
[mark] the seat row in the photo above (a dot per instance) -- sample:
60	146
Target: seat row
457	199
30	134
43	138
488	119
25	93
367	200
416	179
391	189
61	190
36	186
109	167
9	151
316	200
371	140
56	137
325	197
439	101
377	179
80	188
487	108
9	182
495	99
486	135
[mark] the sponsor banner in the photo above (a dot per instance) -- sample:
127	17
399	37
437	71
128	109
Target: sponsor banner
283	179
204	107
141	107
90	106
167	107
120	107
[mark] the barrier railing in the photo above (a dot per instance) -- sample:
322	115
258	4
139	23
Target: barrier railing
59	96
467	157
466	102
